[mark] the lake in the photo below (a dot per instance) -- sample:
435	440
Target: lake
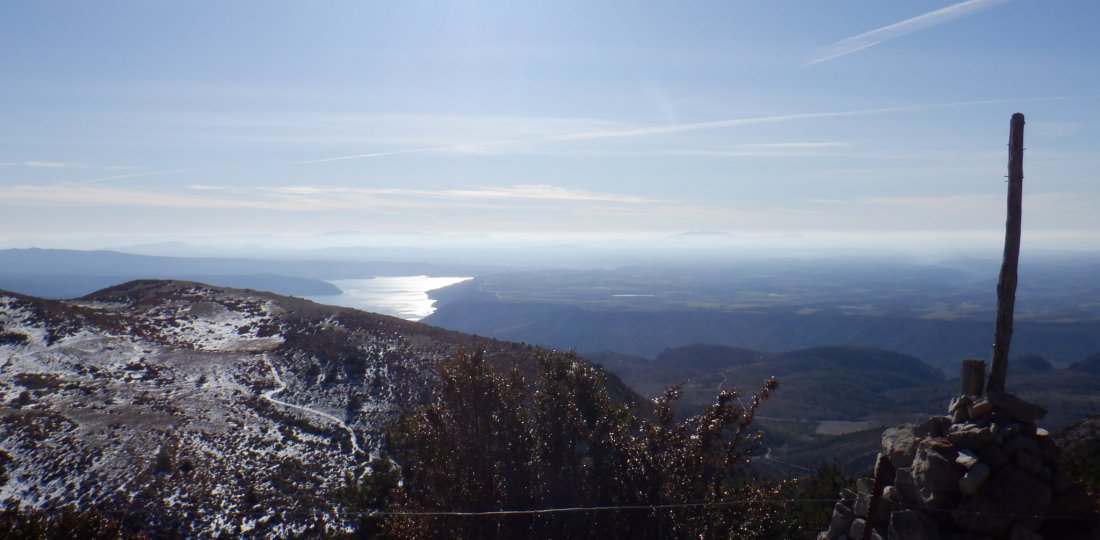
400	296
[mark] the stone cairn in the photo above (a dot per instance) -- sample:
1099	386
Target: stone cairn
984	471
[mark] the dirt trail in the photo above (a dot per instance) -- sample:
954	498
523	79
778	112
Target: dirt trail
270	396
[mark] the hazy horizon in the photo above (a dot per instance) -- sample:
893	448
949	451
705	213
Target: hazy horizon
865	126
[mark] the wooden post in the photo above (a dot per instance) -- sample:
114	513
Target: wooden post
884	474
1006	285
972	377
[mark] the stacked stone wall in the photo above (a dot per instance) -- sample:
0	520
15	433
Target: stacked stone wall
983	472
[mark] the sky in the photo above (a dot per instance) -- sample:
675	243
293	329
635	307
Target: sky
862	123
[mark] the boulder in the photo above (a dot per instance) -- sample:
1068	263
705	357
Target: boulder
900	444
994	456
1030	463
974	478
934	467
1018	408
856	530
971	436
907	490
1020	443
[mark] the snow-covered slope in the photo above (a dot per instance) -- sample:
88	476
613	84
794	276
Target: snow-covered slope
202	409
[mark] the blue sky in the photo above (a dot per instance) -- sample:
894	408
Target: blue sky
857	122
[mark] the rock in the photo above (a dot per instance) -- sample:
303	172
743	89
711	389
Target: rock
979	408
1020	443
934	426
966	458
1018	408
865	485
1002	501
971	436
1030	463
934	467
848	497
941	500
863	503
911	525
841	521
856	531
891	494
974	478
959	409
907	490
900	444
994	456
1047	475
1019	532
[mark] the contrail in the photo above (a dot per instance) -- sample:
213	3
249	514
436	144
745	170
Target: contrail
896	30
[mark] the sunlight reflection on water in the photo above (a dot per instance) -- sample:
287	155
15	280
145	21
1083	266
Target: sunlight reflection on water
405	296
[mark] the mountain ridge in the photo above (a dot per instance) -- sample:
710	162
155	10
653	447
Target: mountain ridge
204	410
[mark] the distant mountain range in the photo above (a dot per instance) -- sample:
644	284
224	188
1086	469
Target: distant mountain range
645	332
833	401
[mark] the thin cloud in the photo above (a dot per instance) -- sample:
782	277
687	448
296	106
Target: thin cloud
543	192
469	148
54	165
830	144
886	33
69	165
715	124
486	147
74	195
939	203
307	198
147	174
497	146
645	131
531	192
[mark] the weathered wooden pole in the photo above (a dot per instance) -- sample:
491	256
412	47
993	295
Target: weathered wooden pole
1006	285
972	377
